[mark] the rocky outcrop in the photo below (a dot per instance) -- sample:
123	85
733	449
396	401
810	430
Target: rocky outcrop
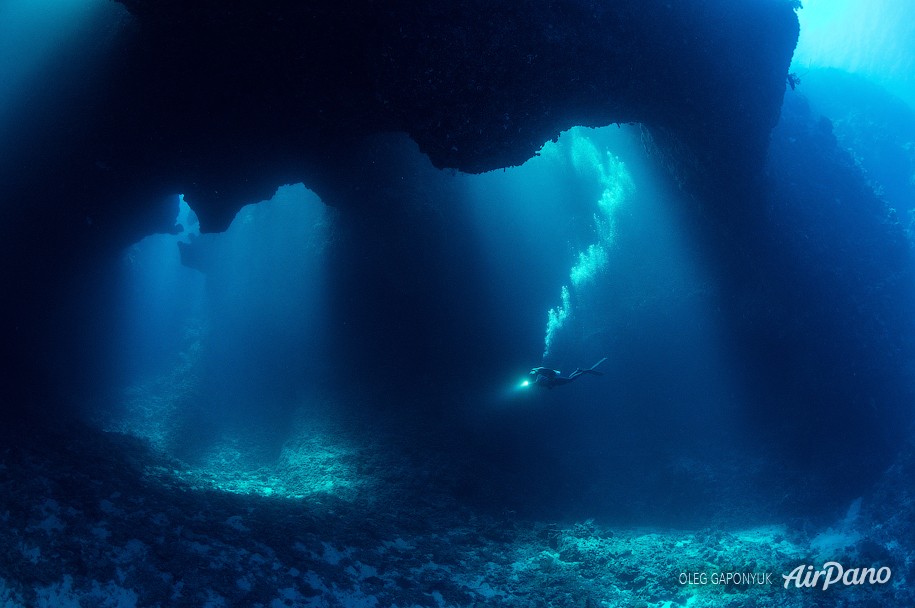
241	97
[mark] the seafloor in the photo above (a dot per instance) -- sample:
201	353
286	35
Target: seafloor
104	519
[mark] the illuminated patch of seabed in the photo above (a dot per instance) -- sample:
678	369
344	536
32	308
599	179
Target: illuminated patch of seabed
316	460
661	567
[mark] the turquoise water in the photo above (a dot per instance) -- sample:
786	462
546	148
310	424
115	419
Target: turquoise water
871	39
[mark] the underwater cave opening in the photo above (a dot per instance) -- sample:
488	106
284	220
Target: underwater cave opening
873	40
417	311
423	309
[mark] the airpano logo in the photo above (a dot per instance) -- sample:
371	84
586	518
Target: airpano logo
834	573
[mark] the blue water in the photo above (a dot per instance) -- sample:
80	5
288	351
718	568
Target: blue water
872	40
335	405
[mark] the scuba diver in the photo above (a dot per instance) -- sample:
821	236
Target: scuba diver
548	378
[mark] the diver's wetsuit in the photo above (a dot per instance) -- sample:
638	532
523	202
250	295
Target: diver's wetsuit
548	378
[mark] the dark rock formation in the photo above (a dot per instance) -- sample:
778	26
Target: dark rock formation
819	304
224	100
239	97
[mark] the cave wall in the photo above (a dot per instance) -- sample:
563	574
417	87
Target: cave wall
824	321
